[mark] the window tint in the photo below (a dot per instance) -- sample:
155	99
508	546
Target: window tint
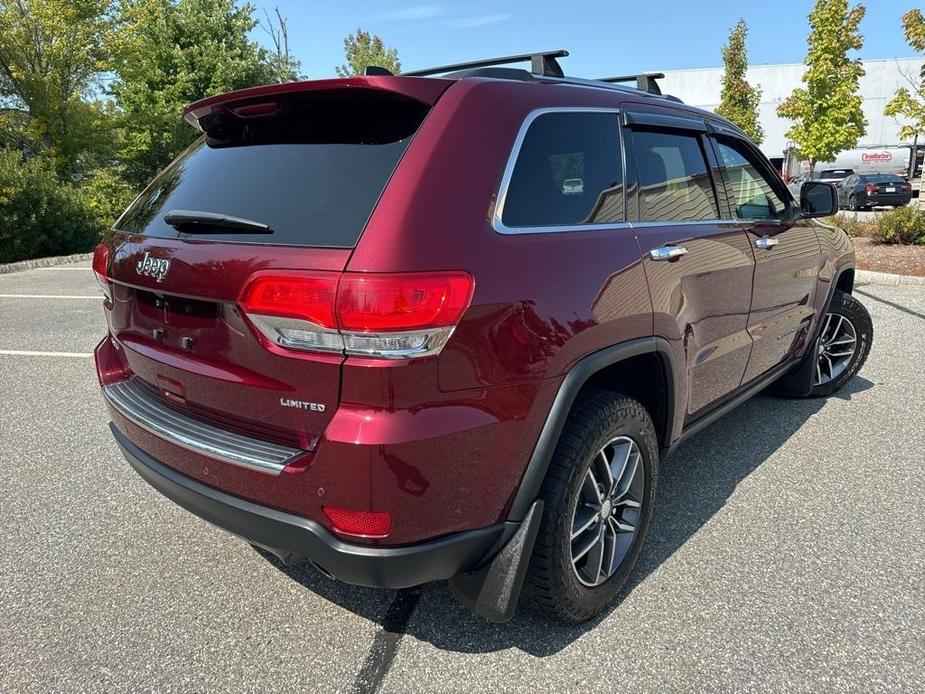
312	172
568	171
750	194
882	178
674	180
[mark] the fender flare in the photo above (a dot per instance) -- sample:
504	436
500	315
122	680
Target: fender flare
574	380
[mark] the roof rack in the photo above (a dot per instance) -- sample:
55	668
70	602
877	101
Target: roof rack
544	64
644	81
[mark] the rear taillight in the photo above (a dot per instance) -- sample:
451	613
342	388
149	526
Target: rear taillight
359	523
394	316
870	189
906	186
101	269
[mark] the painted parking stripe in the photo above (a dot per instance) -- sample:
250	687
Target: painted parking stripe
27	353
50	296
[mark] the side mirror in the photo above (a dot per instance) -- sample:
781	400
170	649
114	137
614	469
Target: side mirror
818	199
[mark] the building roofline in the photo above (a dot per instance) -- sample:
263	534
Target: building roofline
667	71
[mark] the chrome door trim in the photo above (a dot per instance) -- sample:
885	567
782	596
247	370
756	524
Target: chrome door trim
499	226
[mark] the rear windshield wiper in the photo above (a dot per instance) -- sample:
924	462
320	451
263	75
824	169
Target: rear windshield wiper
196	222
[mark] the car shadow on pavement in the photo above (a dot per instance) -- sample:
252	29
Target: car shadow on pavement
694	484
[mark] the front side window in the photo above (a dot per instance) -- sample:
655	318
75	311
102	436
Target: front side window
674	180
568	172
750	195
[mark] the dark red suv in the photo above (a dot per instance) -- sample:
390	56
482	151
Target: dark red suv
412	328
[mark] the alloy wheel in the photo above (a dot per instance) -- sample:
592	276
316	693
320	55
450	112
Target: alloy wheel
607	511
837	345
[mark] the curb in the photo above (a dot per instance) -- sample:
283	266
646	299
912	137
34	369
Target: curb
871	277
44	262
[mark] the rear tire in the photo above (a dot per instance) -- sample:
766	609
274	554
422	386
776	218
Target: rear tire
843	345
615	435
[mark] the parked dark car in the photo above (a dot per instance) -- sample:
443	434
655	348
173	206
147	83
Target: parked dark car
412	328
833	176
864	191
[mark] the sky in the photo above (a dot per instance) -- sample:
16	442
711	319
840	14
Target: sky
603	37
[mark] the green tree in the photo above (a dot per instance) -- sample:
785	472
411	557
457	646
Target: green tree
51	54
827	112
170	53
363	49
908	103
739	100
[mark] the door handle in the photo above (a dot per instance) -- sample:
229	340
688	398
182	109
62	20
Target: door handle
667	252
766	242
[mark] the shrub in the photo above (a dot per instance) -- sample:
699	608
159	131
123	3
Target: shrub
905	225
39	215
851	225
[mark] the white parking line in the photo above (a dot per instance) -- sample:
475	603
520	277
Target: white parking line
50	296
26	353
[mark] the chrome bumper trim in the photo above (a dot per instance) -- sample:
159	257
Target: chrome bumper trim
135	404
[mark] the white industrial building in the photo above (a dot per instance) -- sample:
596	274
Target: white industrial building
701	87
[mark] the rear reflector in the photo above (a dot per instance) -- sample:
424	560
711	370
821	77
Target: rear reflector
359	523
371	314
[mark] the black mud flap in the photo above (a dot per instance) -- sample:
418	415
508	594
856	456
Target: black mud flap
492	592
798	383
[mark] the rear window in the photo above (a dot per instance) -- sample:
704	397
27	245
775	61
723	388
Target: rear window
836	173
312	172
882	178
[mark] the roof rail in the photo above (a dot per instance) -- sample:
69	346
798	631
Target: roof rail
544	64
645	81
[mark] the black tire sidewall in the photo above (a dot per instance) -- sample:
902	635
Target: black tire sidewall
849	307
590	600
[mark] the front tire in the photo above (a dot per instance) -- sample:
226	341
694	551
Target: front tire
599	496
843	345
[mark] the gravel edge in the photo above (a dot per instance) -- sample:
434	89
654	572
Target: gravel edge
43	262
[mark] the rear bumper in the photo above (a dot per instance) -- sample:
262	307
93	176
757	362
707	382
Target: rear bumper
287	534
888	200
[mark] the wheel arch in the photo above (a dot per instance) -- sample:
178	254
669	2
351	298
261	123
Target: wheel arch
612	368
844	282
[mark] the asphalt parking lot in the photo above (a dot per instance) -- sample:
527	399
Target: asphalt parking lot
787	552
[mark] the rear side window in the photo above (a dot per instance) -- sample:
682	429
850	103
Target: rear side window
674	180
569	171
312	173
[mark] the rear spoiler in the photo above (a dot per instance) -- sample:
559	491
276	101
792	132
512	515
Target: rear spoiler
261	100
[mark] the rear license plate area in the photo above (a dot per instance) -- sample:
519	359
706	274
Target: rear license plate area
165	309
